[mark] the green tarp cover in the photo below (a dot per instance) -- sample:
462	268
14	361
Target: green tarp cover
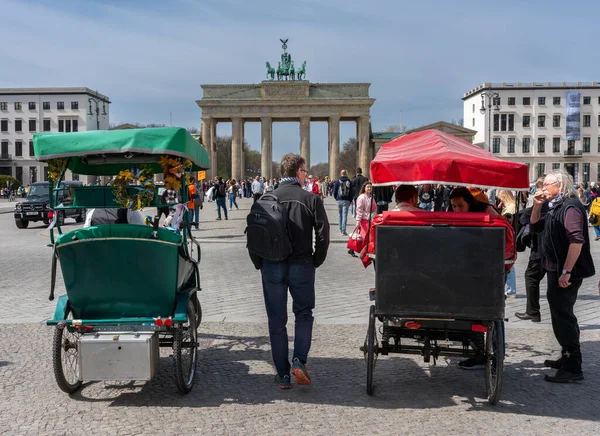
106	152
117	231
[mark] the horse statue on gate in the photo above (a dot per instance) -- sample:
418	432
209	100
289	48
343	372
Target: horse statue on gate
291	71
281	72
270	71
301	73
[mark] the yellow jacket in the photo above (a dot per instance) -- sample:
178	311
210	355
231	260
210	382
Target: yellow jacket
595	210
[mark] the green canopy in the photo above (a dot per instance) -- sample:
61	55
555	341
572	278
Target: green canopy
107	152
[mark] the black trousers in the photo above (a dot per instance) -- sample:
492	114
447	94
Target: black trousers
533	276
256	197
564	321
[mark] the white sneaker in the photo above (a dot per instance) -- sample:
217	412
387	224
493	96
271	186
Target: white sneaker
229	208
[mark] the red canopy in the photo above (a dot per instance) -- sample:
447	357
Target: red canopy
432	156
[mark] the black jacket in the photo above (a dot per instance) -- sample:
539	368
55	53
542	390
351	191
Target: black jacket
357	183
305	213
554	244
217	195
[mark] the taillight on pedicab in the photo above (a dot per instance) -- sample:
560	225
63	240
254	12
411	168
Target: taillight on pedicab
50	215
168	322
412	325
479	328
158	321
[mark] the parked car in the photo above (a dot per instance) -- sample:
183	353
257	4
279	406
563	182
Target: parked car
36	206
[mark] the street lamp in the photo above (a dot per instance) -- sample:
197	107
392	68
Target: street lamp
97	100
493	98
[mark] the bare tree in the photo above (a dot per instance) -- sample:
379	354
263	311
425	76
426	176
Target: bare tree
348	158
396	128
320	170
192	130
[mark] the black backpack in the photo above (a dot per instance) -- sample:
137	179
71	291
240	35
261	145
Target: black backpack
222	190
344	188
267	232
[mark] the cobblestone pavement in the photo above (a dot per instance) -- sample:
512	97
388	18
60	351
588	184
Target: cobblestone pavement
234	393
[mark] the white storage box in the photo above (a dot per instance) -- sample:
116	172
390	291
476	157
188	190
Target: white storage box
118	356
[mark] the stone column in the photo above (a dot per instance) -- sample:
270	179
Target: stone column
242	156
334	146
207	143
363	144
213	147
305	140
266	124
237	137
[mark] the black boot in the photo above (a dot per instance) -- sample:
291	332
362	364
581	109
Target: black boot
554	364
564	376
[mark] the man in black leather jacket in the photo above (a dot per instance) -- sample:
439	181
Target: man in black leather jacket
306	214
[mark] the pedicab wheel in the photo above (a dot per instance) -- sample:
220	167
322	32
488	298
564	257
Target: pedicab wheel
494	362
65	357
372	350
185	351
197	310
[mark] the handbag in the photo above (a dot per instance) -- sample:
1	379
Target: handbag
593	219
198	201
355	241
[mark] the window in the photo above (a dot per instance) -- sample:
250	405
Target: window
4	149
598	120
511	122
587	120
503	122
46	125
3	125
18	106
541	169
473	107
31	152
542	121
74	105
75	124
555	166
541	145
587	141
60	105
511	101
526	101
19	174
18	125
556	144
18	148
32	105
32	125
46	105
61	125
526	143
541	101
571	144
496	122
496	145
586	173
556	101
526	120
473	122
555	120
511	145
599	148
496	101
3	106
587	100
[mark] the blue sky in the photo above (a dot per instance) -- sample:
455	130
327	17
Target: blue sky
150	57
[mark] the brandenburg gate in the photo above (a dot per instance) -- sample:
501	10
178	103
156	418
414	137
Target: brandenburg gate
289	98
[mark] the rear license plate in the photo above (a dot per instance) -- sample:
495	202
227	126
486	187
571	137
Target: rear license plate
31	213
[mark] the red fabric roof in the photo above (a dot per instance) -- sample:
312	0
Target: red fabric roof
432	156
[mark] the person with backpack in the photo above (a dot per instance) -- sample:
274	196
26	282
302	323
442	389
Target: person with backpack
344	194
289	216
426	198
195	202
220	197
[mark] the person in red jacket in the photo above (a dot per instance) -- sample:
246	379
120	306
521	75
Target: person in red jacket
315	186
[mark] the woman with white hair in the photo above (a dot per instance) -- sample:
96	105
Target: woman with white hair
565	250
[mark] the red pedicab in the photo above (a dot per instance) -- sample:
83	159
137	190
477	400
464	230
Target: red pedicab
439	276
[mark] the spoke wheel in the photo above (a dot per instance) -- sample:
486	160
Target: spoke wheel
372	350
65	357
185	351
494	362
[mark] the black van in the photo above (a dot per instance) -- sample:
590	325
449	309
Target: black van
36	205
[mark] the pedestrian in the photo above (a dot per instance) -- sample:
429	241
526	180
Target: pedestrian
220	197
232	192
357	182
342	192
426	198
306	216
365	206
594	216
195	202
565	249
256	189
535	270
508	210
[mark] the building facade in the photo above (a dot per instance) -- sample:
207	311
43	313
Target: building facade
527	123
25	111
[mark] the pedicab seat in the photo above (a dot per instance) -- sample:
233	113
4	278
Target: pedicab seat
110	271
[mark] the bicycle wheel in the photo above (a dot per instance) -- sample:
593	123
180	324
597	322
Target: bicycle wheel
65	357
494	361
185	351
372	350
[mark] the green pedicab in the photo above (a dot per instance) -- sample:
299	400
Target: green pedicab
130	288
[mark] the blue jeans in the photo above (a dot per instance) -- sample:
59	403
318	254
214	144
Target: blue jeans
277	278
232	201
511	281
597	230
196	215
426	206
221	204
343	206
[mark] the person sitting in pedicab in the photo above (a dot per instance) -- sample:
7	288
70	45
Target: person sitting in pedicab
97	217
474	200
407	198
